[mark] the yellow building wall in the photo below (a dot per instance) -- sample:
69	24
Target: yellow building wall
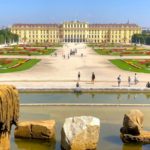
76	32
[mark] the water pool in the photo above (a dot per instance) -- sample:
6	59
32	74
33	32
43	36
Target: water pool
99	98
111	121
111	116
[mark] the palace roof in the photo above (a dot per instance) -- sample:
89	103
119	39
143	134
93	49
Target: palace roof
35	25
90	25
112	25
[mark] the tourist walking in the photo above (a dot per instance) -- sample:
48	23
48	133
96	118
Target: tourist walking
135	79
119	80
93	77
129	81
148	85
79	75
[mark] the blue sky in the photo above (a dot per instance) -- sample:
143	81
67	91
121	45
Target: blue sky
57	11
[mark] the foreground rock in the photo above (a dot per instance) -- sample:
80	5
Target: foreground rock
36	130
9	113
144	138
132	130
4	141
80	133
133	122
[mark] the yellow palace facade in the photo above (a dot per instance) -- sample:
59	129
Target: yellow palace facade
76	31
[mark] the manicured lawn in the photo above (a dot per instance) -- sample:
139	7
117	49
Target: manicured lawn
133	65
14	65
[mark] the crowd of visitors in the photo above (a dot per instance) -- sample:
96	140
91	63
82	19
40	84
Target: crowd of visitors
72	52
131	81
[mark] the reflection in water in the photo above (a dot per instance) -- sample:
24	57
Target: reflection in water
78	95
131	147
93	95
119	97
129	96
135	96
24	144
147	95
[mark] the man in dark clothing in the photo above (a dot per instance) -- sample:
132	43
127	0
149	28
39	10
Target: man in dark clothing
79	76
148	85
119	80
93	77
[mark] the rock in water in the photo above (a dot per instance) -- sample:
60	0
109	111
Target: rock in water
132	123
132	130
80	133
36	130
144	138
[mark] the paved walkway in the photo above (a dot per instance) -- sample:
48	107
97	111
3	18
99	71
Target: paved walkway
57	72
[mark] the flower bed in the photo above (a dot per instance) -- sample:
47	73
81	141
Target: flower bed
13	65
19	63
135	65
128	51
132	64
26	51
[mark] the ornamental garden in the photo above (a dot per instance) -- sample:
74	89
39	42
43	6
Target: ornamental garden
123	50
14	65
17	64
19	50
134	65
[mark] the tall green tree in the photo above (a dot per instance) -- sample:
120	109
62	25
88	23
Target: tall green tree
7	37
143	38
2	39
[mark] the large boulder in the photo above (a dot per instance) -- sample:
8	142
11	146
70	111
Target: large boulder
36	129
80	133
132	123
132	130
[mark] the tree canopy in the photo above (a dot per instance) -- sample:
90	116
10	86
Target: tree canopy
7	37
143	38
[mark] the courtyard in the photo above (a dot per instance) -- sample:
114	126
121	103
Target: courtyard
55	71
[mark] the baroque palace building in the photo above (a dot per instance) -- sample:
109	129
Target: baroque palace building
76	31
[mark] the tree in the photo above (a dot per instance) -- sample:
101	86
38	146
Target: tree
141	38
2	39
7	37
